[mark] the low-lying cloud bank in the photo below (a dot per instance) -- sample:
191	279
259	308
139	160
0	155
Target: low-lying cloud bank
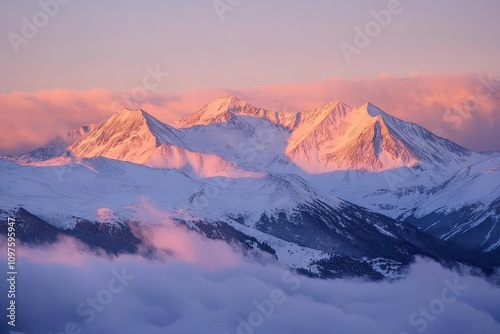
463	108
64	289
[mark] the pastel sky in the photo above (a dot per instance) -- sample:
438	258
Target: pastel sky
108	44
427	65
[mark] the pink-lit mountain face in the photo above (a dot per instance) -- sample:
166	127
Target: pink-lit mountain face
135	136
128	135
330	138
335	180
337	136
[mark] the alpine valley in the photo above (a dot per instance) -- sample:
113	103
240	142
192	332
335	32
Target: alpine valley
330	192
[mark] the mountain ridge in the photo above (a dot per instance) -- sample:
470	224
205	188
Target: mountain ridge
360	155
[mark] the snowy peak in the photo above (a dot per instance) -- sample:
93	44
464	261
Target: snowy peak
136	136
423	144
229	99
318	122
338	137
136	120
372	110
127	117
220	110
332	137
128	135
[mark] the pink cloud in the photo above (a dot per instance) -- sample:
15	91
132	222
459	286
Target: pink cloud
463	108
66	250
186	245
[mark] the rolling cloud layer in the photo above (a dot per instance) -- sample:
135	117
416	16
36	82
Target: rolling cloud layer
212	288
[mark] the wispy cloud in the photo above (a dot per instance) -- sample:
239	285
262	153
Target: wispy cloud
463	108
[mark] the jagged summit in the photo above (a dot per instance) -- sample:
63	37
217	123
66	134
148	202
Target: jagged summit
227	96
137	114
219	110
227	108
126	135
339	137
136	136
372	110
332	137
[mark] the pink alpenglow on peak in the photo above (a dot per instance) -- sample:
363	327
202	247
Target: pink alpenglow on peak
136	136
232	138
338	137
219	110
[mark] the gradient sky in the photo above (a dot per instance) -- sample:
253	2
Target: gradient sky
108	44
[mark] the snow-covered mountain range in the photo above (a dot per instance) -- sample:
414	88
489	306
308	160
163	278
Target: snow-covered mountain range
332	191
